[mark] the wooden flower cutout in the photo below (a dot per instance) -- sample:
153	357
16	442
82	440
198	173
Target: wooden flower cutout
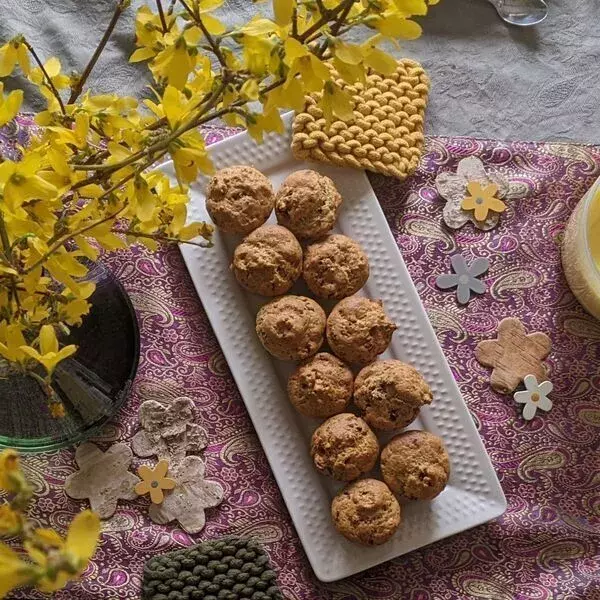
103	477
168	431
534	396
190	497
482	200
514	355
154	481
454	188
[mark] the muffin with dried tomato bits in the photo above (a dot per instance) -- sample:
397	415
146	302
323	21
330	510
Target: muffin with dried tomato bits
291	327
415	465
366	512
358	330
321	386
307	203
344	447
390	394
239	199
335	267
268	261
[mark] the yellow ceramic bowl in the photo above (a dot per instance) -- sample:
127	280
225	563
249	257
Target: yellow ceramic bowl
581	251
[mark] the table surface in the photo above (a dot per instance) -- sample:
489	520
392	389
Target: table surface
488	79
546	546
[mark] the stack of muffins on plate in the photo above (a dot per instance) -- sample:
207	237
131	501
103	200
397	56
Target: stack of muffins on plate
387	393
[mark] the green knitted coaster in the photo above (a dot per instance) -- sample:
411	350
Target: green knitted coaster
226	569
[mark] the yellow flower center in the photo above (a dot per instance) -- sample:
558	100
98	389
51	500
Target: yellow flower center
535	397
479	200
16	179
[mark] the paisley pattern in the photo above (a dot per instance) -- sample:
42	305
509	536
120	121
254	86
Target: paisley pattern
546	546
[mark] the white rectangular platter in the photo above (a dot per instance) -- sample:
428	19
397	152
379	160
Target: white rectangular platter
473	494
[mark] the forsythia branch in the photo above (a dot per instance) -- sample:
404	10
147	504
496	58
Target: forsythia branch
78	88
47	77
161	14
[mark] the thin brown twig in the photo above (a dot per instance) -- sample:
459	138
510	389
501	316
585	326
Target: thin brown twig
295	22
214	46
49	81
171	8
330	14
4	239
326	16
341	18
78	88
321	7
161	14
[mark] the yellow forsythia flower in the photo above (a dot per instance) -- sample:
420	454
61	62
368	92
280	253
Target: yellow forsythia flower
9	105
59	80
313	71
57	410
14	572
174	63
22	182
12	339
212	24
72	554
11	53
336	102
258	56
283	11
49	355
10	471
190	157
10	521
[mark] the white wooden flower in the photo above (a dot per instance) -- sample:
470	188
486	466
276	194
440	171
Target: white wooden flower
534	396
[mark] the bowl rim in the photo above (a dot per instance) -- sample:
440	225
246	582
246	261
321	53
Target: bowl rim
592	195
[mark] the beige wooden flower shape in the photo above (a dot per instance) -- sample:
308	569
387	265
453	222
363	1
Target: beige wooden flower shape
453	187
154	481
192	494
514	355
168	431
103	477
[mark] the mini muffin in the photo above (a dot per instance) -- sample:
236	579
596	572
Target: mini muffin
321	386
335	267
366	512
268	261
344	447
291	327
307	204
390	393
239	199
358	330
415	465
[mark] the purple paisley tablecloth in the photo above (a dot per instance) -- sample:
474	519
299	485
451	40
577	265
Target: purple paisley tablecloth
547	544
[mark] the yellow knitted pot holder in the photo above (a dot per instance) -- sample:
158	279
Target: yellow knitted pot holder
386	134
